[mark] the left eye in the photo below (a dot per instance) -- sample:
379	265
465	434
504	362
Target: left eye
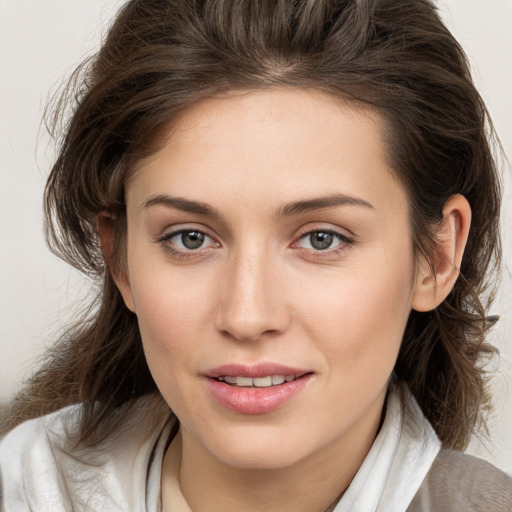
189	240
321	240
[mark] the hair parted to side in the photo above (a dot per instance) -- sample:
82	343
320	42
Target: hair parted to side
162	56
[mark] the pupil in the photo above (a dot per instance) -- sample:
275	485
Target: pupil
321	240
192	239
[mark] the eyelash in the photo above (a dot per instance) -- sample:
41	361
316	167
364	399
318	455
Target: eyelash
344	242
180	254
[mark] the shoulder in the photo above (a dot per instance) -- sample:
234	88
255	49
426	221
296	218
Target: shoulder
28	457
42	469
457	481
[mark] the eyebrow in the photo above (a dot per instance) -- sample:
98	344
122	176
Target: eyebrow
186	205
319	203
287	210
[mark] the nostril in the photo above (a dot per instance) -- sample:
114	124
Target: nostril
249	335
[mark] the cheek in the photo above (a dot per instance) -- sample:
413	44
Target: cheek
358	317
172	310
171	326
169	318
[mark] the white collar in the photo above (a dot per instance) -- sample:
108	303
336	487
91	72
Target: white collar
398	461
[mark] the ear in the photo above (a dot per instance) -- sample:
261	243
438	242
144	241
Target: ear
106	232
433	284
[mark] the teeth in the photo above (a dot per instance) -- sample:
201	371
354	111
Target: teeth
262	382
258	382
244	381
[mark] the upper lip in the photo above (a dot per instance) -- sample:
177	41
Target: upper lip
254	370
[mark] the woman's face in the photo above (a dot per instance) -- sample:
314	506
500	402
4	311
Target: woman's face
271	269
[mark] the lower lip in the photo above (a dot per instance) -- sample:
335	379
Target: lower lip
250	400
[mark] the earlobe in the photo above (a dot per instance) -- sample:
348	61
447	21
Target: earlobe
434	282
105	229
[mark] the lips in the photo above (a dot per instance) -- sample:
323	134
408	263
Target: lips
258	370
257	382
256	389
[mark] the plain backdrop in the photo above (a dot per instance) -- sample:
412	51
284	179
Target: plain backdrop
40	43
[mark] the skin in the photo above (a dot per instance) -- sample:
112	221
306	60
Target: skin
258	291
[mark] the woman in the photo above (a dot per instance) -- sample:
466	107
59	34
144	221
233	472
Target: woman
293	209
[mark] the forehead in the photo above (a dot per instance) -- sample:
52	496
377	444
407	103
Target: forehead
281	142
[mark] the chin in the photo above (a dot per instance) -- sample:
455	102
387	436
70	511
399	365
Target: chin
261	458
263	449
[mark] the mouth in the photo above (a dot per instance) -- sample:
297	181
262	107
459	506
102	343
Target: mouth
257	382
256	389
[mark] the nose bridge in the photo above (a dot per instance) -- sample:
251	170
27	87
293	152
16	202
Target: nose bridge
250	305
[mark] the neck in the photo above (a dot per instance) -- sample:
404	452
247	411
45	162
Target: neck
312	484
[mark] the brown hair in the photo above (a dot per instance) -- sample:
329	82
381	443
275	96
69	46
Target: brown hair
160	57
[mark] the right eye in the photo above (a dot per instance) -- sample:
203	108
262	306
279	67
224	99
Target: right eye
322	240
187	240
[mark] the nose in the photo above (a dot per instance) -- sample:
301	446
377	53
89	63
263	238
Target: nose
252	302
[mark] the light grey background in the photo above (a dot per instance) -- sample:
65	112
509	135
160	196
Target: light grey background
40	43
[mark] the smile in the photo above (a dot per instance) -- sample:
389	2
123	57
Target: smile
257	382
256	389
